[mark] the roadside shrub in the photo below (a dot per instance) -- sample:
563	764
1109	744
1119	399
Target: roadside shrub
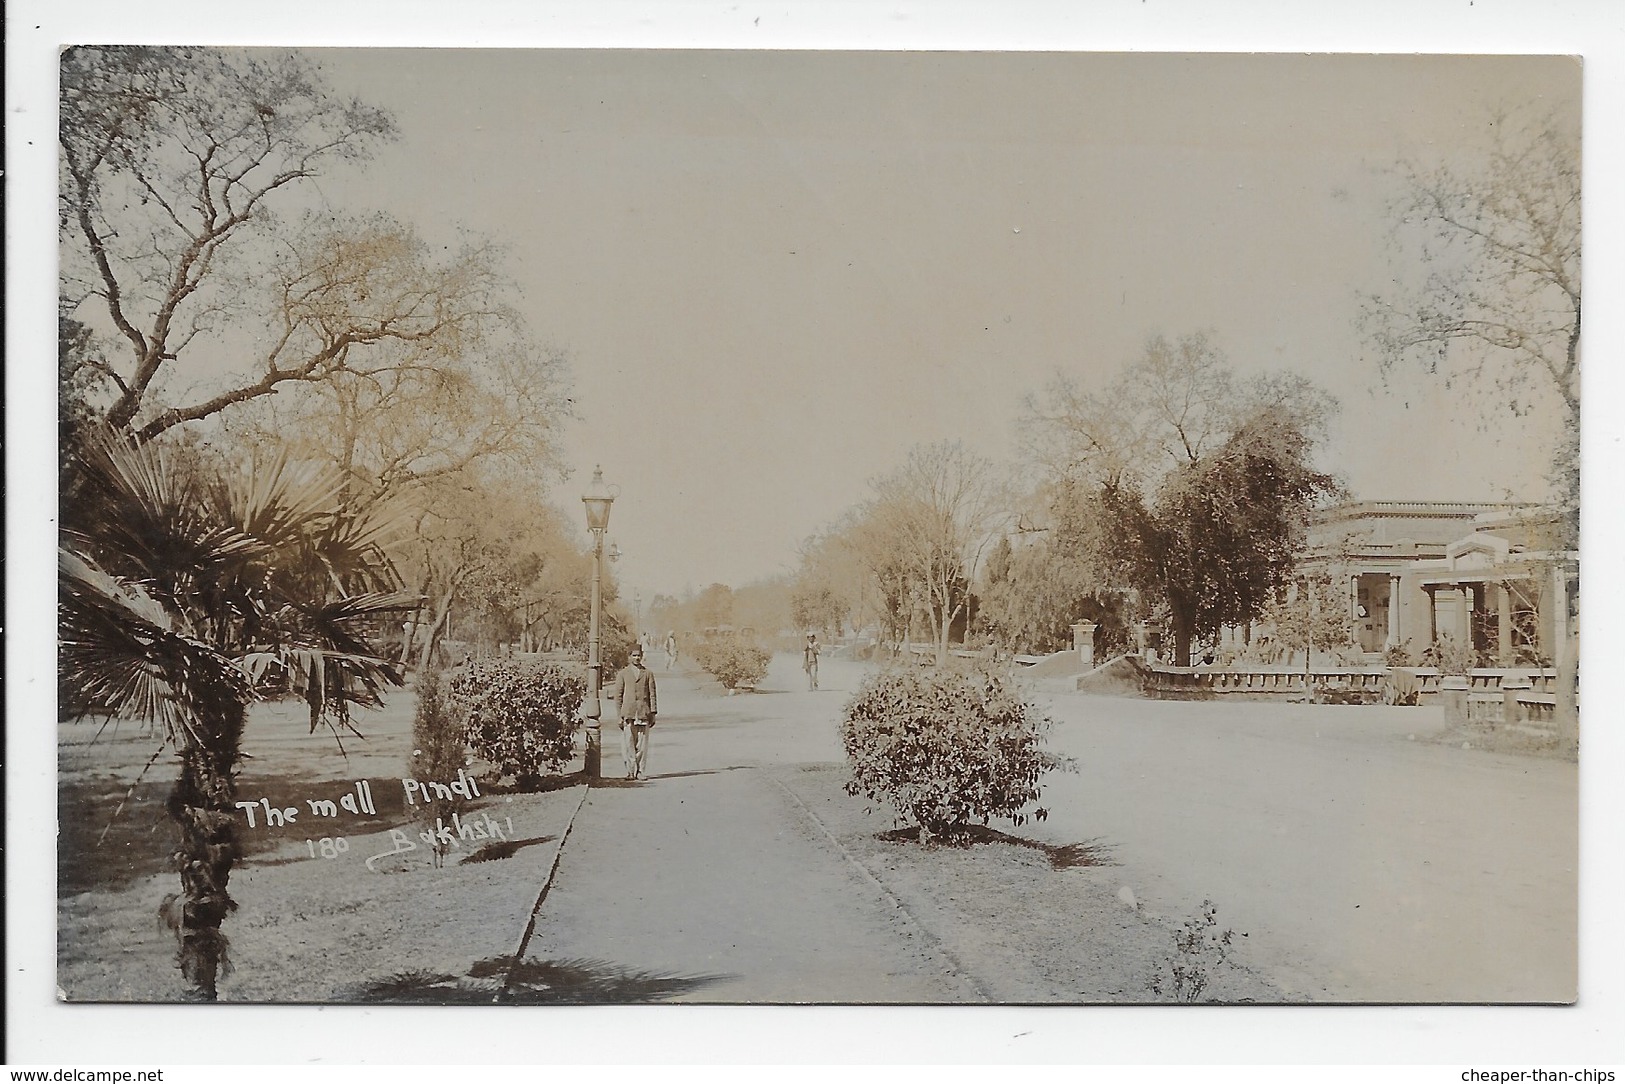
976	641
1401	688
944	747
1350	654
615	648
1263	650
520	715
1340	692
439	749
857	651
1201	954
1450	656
733	662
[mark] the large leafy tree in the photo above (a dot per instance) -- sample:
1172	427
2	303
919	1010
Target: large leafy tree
834	583
763	605
816	606
179	587
399	427
171	162
1169	408
1486	289
1033	591
714	606
189	251
485	549
932	518
1222	536
1181	480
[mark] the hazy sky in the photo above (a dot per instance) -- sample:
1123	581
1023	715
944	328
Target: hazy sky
775	272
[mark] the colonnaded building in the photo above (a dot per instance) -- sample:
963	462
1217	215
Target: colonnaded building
1486	574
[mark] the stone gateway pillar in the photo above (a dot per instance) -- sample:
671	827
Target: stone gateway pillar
1083	641
1453	693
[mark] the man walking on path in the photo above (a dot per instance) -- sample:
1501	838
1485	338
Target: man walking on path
809	660
671	649
634	696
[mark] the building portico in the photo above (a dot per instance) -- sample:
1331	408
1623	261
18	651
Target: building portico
1483	575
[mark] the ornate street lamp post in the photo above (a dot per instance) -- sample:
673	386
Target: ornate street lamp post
597	500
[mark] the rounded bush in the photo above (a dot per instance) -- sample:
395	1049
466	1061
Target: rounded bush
733	662
614	648
945	747
521	716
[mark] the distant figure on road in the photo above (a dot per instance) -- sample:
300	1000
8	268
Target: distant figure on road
671	649
809	660
634	696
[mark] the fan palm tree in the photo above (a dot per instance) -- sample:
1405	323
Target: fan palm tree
180	587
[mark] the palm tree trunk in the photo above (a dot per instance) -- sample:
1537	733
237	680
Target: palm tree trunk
203	803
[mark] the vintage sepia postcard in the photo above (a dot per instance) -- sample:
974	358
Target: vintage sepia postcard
620	526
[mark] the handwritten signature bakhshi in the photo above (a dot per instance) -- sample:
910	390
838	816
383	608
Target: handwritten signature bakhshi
457	831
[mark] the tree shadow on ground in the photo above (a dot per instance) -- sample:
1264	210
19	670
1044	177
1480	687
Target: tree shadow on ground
112	834
496	852
546	785
266	861
619	783
498	979
701	771
615	782
1091	852
100	850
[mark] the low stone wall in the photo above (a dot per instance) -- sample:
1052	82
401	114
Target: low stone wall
1272	683
1347	684
1514	706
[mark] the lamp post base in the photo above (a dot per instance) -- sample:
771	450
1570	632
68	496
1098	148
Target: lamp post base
594	766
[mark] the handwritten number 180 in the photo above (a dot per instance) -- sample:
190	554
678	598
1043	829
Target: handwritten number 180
330	846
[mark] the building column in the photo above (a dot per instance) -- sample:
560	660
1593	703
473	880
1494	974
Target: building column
1504	624
1566	713
1393	611
1560	610
1354	600
1450	613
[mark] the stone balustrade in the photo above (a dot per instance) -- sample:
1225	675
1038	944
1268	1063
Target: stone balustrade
1523	697
1534	688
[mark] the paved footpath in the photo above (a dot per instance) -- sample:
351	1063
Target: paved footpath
707	882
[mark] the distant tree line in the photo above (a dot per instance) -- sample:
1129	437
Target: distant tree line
1177	491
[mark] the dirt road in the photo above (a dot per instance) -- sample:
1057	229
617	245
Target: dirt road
1365	865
